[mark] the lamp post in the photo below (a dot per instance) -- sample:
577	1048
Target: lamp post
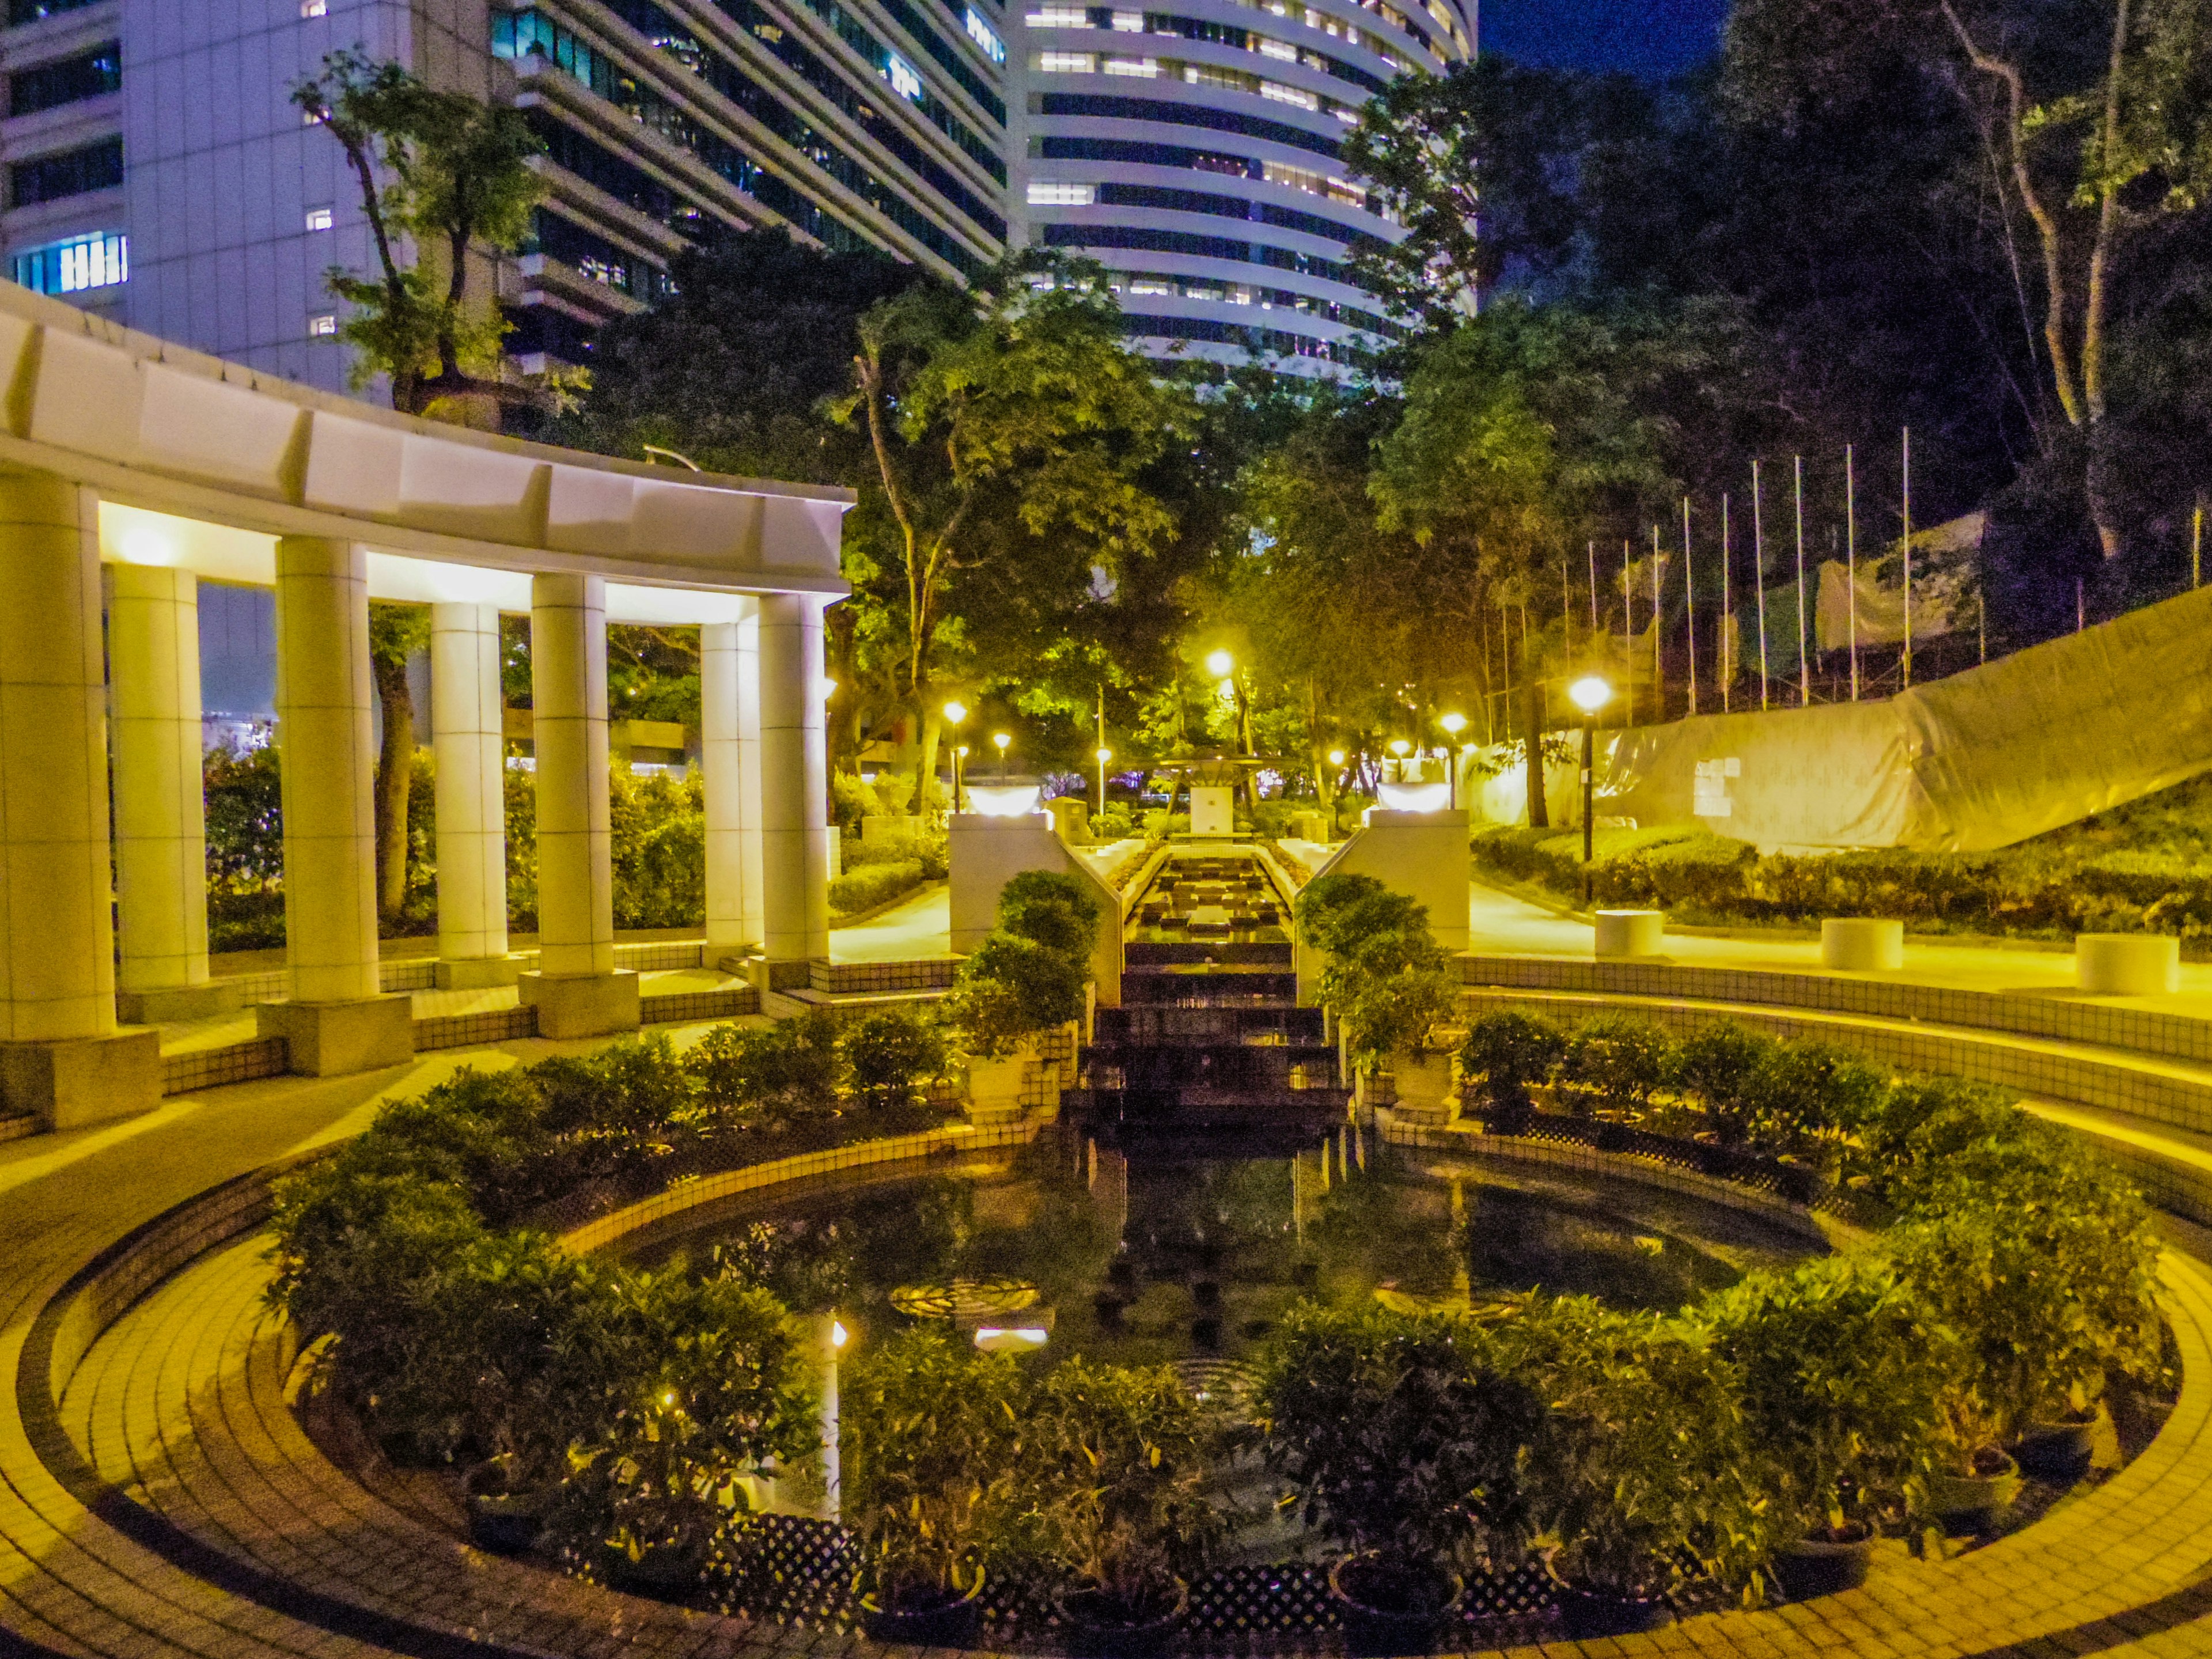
1104	755
1002	739
1223	667
1453	724
954	714
1589	694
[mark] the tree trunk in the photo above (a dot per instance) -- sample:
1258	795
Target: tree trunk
395	775
843	717
1532	724
925	768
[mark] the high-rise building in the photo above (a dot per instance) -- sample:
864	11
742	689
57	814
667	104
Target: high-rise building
1196	152
157	172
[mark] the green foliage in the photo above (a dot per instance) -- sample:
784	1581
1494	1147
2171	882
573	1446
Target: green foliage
1324	899
770	1073
928	1429
867	885
1056	911
1842	1370
1616	1062
1504	1053
1400	1433
1010	988
1722	1065
1113	823
1115	1463
245	848
656	845
892	1055
1389	981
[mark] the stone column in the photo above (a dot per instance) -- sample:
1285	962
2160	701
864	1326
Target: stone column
338	1019
795	786
61	1056
161	806
724	694
749	772
467	733
576	990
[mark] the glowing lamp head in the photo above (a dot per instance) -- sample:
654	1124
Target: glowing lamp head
829	690
1401	747
1220	664
964	751
1454	724
1590	694
1105	755
839	1336
1002	739
1336	757
955	711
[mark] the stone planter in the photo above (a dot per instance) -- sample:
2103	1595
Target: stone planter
1861	945
2127	964
1424	1087
1973	1503
1630	934
994	1087
1823	1565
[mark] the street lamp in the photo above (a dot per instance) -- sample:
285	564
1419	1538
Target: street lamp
1221	664
1453	724
1104	755
955	713
1590	694
1002	739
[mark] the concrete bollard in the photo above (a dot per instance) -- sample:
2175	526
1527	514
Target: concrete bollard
1630	933
2127	964
1861	945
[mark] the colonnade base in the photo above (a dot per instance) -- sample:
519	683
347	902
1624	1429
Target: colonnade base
74	1081
582	1005
330	1039
176	1004
778	973
476	972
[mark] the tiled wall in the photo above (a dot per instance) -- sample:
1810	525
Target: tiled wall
845	979
465	1030
2057	1018
684	1007
210	1068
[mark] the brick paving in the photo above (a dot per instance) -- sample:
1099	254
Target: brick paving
170	1503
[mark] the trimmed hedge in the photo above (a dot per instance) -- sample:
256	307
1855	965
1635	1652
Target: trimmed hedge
873	884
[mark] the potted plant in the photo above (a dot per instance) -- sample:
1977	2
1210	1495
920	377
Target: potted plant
928	1433
1009	990
1114	1461
1505	1054
1405	1443
1642	1473
1840	1371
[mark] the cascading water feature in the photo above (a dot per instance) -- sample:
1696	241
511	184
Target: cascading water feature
1209	1035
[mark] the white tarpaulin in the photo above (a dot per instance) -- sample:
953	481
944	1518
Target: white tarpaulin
1941	555
1983	759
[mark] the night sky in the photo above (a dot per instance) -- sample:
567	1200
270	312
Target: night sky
1651	38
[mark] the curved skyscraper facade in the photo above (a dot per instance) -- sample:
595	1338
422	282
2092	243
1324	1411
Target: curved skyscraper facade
1195	151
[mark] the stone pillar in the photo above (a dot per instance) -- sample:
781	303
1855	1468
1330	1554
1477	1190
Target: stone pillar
576	990
723	694
754	926
467	735
161	807
794	783
338	1019
61	1056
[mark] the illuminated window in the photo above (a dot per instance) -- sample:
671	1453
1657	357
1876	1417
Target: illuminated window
904	81
1060	17
1281	49
318	218
1066	62
314	8
1298	96
1129	22
324	327
986	37
81	263
1054	193
1145	69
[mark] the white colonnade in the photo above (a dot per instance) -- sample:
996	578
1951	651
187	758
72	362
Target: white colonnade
172	469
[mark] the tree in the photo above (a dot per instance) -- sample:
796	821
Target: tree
448	171
1009	425
396	633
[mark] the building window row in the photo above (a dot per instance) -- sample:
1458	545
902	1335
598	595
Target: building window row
66	80
67	172
532	35
855	33
595	258
1258	341
100	260
666	35
1143	284
1094	107
1196	75
603	169
1058	146
1231	207
1146	238
1220	34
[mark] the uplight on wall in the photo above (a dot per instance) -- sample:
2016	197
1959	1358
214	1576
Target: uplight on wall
994	1339
1003	800
1414	797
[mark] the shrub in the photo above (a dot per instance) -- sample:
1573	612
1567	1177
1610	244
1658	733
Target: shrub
873	884
1720	1066
892	1056
657	847
776	1071
1160	824
1508	1052
1616	1062
1010	989
927	1435
1323	901
1400	1433
1054	910
1114	1461
1841	1371
1112	824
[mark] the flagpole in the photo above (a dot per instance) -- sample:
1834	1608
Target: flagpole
1727	653
1907	446
1690	600
1804	655
1852	560
1627	633
1658	667
1759	561
1593	575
